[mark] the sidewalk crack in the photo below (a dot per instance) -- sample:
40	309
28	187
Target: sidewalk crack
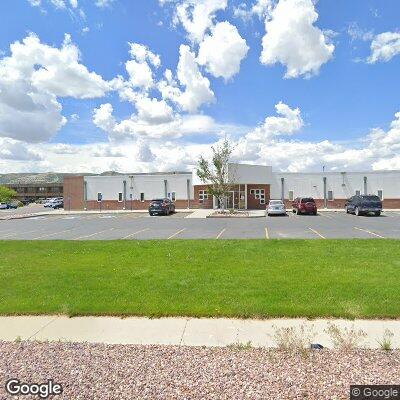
43	327
183	332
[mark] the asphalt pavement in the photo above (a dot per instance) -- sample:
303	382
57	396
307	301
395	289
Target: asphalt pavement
141	226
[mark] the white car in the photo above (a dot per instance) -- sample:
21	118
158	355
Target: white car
3	206
276	207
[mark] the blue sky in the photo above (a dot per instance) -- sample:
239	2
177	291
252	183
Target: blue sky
330	109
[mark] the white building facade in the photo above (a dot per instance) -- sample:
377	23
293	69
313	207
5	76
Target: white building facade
252	187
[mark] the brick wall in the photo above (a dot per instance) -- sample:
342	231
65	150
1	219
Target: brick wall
73	193
136	205
252	202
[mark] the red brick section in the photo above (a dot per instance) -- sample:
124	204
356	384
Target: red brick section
252	202
136	205
73	193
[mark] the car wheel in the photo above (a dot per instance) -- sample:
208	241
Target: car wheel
378	213
314	213
357	211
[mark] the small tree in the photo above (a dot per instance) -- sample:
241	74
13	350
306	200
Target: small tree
6	194
215	173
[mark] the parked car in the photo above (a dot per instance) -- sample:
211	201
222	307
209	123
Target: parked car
3	206
13	205
304	205
57	204
364	204
161	206
50	202
276	207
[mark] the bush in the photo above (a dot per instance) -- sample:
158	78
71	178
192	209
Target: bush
6	194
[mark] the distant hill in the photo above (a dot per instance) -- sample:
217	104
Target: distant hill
45	178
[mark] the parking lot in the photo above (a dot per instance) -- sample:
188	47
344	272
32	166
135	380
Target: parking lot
325	225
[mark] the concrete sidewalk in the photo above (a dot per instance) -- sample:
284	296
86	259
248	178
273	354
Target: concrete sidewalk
182	331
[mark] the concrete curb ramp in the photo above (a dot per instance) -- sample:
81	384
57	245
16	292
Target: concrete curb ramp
182	331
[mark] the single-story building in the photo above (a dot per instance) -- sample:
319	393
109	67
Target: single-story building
252	187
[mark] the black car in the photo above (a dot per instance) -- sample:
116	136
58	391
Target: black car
161	206
364	204
58	204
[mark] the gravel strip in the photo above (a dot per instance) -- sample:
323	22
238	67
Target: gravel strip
97	371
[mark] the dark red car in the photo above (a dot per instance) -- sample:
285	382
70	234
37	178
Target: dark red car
304	205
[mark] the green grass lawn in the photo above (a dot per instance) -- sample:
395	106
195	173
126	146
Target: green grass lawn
234	278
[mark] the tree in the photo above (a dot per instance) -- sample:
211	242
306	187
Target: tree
216	174
6	194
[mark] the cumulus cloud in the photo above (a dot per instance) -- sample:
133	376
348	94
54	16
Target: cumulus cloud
107	151
17	151
103	3
384	47
293	40
32	78
144	153
260	8
197	89
223	50
197	16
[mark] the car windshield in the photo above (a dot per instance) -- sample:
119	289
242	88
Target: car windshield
275	203
307	200
158	201
371	198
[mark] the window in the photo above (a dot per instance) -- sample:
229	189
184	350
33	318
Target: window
380	194
330	195
99	197
141	196
120	197
203	195
291	195
172	196
259	194
358	192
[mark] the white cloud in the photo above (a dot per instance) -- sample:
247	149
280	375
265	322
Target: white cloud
103	3
288	122
35	3
107	151
197	89
223	50
74	3
384	47
32	78
292	39
138	68
260	8
144	153
197	16
17	151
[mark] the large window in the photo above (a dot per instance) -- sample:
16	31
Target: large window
141	196
358	192
291	195
259	194
203	195
330	195
120	197
380	194
99	197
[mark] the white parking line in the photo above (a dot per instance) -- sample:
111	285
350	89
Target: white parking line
221	233
266	233
135	233
93	234
176	233
371	233
317	233
324	215
51	234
